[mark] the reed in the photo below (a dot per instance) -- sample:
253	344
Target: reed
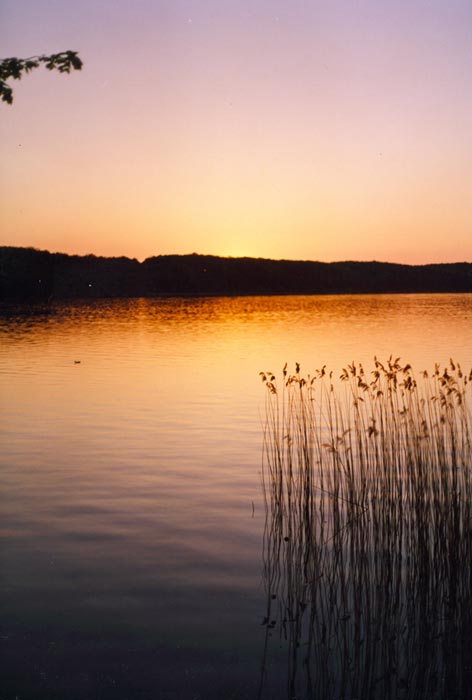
367	480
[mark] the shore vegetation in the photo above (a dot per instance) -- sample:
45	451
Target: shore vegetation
367	479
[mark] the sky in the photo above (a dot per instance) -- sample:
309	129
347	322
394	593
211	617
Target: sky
297	129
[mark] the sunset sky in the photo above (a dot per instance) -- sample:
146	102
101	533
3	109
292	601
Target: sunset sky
334	130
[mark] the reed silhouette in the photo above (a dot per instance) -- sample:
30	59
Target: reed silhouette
367	552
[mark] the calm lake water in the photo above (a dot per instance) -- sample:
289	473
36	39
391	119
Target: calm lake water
132	514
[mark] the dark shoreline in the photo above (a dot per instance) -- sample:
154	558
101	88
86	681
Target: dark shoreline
29	276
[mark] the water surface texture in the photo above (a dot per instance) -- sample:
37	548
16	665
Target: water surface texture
132	513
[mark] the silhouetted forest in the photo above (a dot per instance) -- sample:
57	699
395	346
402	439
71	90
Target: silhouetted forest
30	275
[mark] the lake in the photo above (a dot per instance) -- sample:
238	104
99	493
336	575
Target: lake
132	511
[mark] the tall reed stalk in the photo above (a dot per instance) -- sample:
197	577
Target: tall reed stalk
367	481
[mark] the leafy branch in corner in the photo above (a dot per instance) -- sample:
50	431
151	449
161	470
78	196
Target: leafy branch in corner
13	68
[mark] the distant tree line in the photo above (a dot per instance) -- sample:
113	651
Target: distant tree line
30	275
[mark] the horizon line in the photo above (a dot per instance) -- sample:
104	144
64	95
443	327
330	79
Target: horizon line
230	257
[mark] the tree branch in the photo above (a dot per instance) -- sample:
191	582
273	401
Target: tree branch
14	68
